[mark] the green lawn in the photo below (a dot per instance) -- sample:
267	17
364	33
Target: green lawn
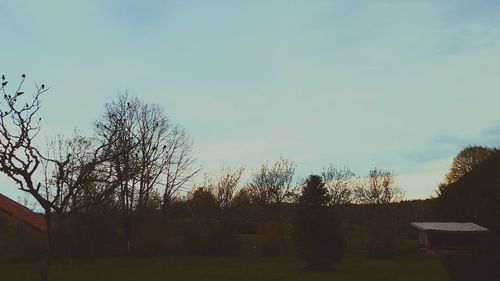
227	268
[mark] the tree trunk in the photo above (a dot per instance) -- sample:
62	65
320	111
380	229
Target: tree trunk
128	232
44	270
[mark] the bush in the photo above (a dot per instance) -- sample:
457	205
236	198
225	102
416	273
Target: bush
269	240
382	237
209	238
151	238
91	232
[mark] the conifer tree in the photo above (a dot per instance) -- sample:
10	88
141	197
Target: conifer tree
317	235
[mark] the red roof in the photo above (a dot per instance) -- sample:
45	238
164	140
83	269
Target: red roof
22	213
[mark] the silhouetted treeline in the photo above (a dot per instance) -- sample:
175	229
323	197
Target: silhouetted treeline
196	226
474	196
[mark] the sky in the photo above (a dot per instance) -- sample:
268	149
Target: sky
398	85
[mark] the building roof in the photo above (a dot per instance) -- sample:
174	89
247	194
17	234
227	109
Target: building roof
22	213
449	226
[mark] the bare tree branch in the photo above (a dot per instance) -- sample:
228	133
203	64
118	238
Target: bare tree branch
378	188
339	182
273	184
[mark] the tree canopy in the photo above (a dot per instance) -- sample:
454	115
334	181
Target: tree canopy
467	159
475	197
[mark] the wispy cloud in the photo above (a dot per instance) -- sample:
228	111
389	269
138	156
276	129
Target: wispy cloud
394	84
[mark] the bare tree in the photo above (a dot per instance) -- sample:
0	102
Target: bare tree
378	188
272	185
163	150
224	186
159	153
19	126
155	139
78	174
180	168
339	182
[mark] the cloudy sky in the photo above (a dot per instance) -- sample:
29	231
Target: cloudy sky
399	85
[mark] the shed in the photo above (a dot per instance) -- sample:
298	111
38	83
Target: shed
450	238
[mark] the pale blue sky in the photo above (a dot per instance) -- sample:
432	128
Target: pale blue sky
401	85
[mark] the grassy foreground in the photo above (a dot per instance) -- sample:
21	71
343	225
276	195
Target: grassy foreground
227	268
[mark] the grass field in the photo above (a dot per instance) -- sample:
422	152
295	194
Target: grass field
227	268
409	265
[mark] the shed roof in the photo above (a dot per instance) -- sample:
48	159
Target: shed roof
449	226
22	213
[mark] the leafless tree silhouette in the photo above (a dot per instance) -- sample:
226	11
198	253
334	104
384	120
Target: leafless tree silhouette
378	188
223	186
340	184
158	153
272	185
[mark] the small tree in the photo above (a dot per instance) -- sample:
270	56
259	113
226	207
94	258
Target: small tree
317	234
204	233
272	185
377	191
224	186
211	207
379	188
339	182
